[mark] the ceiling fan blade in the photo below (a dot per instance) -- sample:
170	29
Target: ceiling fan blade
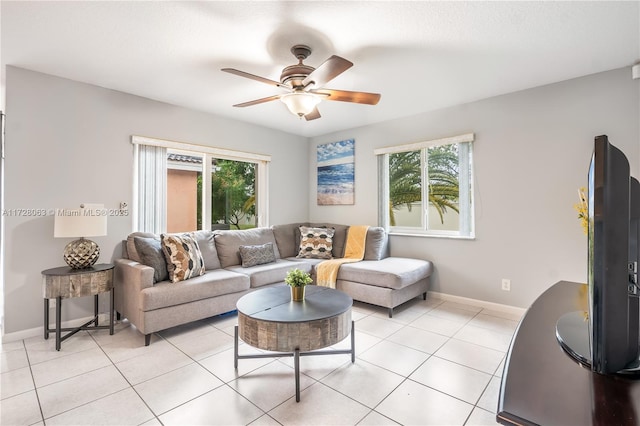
255	77
330	69
258	101
312	115
347	96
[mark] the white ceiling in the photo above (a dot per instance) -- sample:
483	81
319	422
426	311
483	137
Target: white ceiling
420	56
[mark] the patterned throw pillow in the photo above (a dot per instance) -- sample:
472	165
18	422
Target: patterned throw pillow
316	243
184	259
151	254
257	255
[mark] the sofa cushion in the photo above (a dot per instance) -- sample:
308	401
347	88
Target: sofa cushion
376	247
184	259
271	272
288	238
208	249
211	284
150	253
390	272
312	262
257	255
316	243
228	243
132	253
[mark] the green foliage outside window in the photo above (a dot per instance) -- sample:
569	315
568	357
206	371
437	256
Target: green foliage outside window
232	193
405	179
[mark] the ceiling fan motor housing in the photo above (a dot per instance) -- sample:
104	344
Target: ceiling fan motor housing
295	74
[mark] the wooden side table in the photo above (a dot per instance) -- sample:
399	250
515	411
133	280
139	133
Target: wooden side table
64	282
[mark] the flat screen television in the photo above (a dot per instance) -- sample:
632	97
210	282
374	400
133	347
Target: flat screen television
609	342
634	261
613	315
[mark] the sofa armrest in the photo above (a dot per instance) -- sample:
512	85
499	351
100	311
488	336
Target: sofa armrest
132	273
131	278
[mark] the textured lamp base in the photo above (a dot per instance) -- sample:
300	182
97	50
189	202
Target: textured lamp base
81	254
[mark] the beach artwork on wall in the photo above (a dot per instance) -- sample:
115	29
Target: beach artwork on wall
336	173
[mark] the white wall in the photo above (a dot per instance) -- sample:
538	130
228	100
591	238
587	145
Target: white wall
69	142
531	154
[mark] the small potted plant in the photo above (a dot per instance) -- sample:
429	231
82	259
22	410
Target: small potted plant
297	280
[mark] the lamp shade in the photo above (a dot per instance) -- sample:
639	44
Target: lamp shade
300	103
89	220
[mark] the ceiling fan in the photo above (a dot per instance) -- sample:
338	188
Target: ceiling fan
304	85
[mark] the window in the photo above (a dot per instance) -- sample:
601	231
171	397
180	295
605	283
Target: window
427	187
181	187
233	194
184	191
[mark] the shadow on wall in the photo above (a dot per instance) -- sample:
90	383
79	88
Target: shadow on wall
30	249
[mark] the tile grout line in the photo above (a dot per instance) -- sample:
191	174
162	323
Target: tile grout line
365	314
126	380
94	400
407	376
33	380
224	383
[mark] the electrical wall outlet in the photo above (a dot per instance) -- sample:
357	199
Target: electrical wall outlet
506	284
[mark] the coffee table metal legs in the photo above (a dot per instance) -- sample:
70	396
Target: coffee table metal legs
296	355
353	342
235	348
296	367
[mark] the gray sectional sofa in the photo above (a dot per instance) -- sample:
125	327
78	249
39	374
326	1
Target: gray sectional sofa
154	306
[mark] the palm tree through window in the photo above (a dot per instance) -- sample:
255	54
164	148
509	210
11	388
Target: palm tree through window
429	189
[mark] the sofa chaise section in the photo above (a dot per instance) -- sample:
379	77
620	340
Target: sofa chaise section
387	282
379	279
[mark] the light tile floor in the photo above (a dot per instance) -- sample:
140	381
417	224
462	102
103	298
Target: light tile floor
435	363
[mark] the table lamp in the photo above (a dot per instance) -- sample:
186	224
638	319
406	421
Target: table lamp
89	220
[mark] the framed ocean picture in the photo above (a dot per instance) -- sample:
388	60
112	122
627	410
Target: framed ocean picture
336	173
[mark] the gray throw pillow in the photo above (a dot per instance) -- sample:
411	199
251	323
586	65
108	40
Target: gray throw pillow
376	245
150	253
130	246
257	254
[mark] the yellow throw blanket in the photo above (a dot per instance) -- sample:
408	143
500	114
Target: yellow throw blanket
327	271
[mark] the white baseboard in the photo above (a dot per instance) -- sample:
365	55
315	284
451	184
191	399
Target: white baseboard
511	310
39	331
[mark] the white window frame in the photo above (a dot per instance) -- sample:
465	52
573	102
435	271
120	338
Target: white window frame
208	153
466	215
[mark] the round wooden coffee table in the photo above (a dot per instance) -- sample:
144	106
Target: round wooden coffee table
269	320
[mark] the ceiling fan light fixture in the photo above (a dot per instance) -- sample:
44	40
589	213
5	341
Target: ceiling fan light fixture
300	103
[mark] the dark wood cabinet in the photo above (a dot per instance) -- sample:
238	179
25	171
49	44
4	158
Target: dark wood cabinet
543	385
